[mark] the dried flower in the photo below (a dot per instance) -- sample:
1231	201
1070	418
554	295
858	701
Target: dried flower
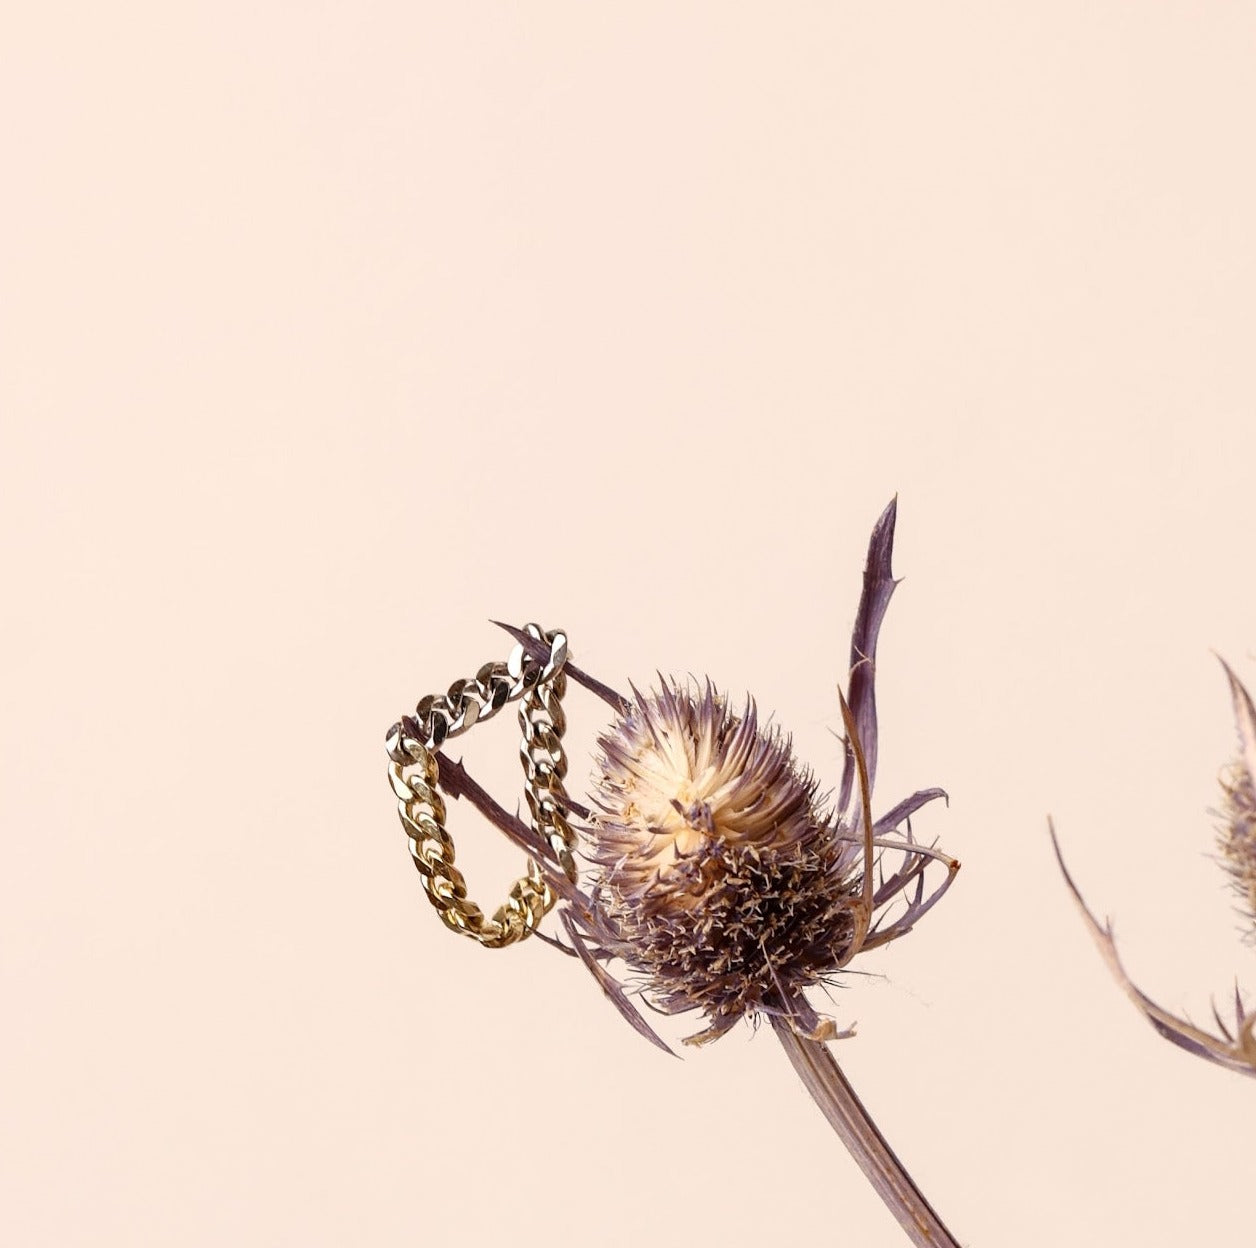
1235	1049
725	884
721	881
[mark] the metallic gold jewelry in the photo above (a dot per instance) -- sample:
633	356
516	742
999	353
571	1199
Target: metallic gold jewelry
415	775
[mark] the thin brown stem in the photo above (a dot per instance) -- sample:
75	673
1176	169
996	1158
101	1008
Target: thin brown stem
830	1089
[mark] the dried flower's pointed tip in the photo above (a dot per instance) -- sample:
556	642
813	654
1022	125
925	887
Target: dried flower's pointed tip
1059	856
514	631
534	647
1244	717
614	992
881	543
878	588
540	651
1102	932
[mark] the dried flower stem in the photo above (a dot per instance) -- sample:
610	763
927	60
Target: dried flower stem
830	1089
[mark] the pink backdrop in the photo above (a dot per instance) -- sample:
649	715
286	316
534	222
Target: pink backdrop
328	333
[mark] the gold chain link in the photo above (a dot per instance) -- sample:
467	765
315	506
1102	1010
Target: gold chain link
415	775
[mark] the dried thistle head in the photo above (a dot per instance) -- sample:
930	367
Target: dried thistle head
722	881
720	876
1235	1045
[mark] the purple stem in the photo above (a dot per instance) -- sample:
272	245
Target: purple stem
830	1089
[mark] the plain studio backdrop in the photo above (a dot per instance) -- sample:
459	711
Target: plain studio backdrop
331	332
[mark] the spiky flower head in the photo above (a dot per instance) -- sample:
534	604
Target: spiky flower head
722	881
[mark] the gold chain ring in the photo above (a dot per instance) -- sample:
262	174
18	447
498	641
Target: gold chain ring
415	775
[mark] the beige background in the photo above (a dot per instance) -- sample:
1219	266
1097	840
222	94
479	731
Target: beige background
330	332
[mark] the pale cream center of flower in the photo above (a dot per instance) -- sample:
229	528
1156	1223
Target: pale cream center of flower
676	800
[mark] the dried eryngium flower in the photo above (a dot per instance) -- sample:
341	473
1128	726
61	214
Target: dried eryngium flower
721	882
724	884
1235	1049
721	879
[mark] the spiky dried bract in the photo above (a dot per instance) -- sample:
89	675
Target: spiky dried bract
719	876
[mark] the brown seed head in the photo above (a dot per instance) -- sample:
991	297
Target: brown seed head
720	879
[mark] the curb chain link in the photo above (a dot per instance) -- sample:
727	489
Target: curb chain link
414	775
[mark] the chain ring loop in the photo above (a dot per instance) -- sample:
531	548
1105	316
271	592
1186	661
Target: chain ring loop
414	775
